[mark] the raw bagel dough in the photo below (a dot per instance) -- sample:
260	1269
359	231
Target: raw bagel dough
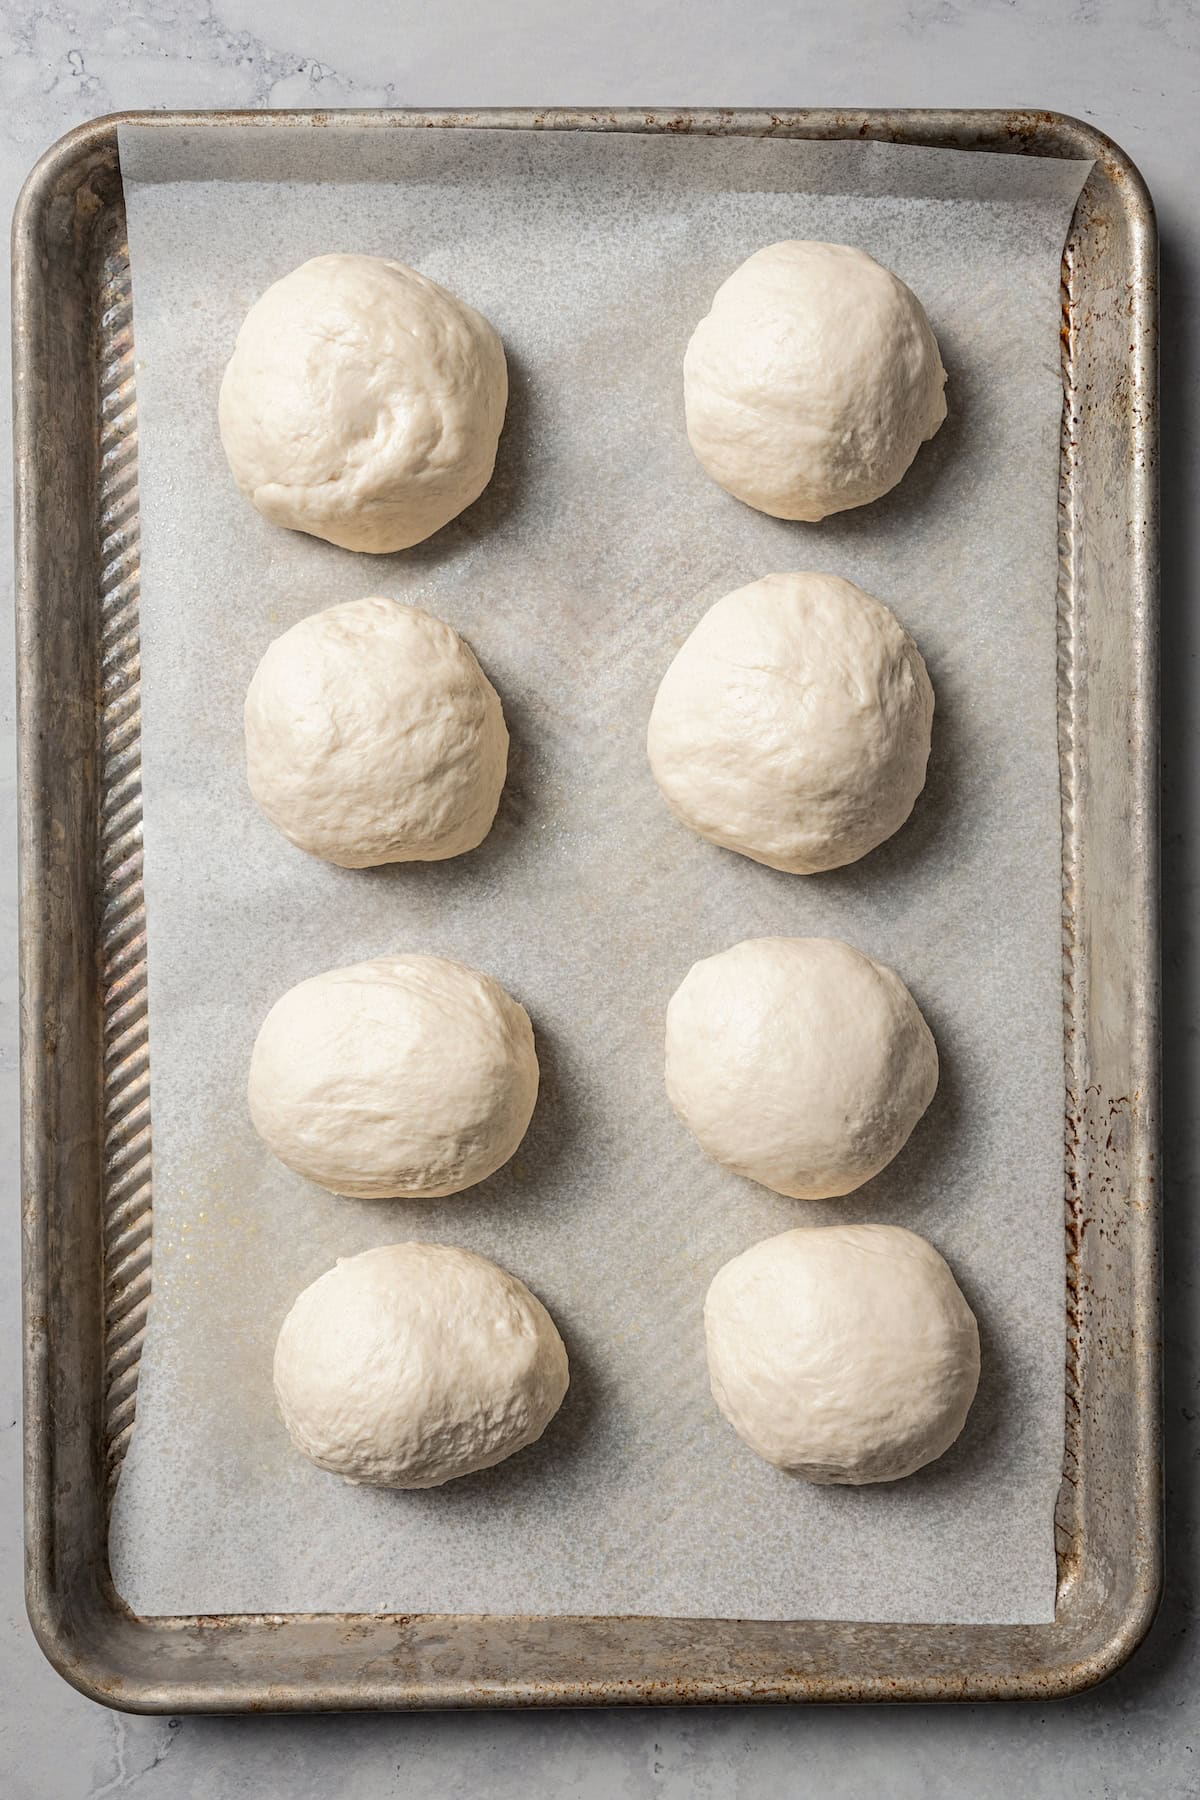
408	1076
798	1062
813	382
373	736
794	724
362	403
842	1353
409	1365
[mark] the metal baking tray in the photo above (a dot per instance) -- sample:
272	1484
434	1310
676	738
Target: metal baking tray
87	1187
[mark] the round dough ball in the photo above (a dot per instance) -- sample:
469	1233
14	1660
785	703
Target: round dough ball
362	403
373	736
406	1077
794	724
409	1365
842	1353
798	1062
813	382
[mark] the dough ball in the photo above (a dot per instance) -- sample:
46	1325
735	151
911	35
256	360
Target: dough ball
842	1353
813	382
794	724
798	1062
409	1365
362	403
373	736
408	1076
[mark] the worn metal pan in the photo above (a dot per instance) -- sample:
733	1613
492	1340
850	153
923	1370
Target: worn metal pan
87	1187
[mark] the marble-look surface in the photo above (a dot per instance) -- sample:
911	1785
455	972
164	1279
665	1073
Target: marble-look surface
1132	66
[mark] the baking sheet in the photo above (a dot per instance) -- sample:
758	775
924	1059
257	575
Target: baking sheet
598	545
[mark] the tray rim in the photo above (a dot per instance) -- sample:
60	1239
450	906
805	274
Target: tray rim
65	1634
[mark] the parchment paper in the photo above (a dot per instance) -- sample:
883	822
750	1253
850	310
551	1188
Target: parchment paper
598	545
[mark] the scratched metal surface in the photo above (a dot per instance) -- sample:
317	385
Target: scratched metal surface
85	1080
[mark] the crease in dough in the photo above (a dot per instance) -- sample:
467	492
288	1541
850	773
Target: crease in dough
363	403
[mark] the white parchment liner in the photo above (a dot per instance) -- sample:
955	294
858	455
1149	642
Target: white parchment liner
598	545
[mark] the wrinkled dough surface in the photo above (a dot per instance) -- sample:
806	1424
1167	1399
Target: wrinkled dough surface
794	724
373	736
362	403
813	381
842	1353
798	1062
406	1076
412	1364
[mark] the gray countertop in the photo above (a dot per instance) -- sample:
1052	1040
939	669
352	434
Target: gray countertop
1133	68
